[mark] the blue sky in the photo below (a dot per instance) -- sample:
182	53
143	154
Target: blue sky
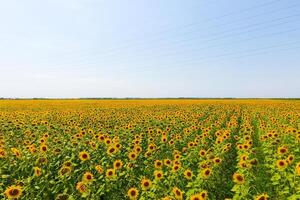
139	48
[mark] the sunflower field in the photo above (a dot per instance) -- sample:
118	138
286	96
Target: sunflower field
150	149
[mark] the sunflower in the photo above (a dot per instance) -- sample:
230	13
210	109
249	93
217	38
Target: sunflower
206	173
177	192
146	184
196	197
83	156
281	164
64	171
133	193
107	141
238	178
68	164
99	169
177	156
118	164
151	147
202	153
2	153
204	194
188	174
111	150
138	149
132	155
298	169
282	150
158	164
43	148
290	159
13	192
167	162
110	173
175	168
87	177
37	171
16	152
217	160
262	197
42	160
199	196
81	187
158	174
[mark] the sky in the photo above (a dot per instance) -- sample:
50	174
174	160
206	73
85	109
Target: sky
149	48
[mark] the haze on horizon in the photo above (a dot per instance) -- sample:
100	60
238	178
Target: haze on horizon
139	48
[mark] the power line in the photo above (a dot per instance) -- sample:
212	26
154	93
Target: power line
160	33
224	36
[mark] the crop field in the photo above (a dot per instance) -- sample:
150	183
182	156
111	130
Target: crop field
150	149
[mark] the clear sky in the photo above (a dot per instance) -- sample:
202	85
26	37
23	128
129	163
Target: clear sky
150	48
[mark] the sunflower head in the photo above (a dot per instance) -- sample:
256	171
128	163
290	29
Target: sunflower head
132	155
133	193
177	193
281	164
188	174
146	184
118	164
99	169
64	171
158	174
110	173
206	173
82	187
282	150
83	156
238	178
262	197
37	171
87	177
167	162
13	192
298	169
158	164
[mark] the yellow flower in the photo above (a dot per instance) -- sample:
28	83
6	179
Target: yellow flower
81	187
146	184
282	150
13	192
298	169
111	150
64	171
178	193
43	148
188	174
133	193
132	155
199	196
37	171
281	164
262	197
206	173
111	173
158	174
118	164
238	178
99	169
84	156
158	164
87	177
